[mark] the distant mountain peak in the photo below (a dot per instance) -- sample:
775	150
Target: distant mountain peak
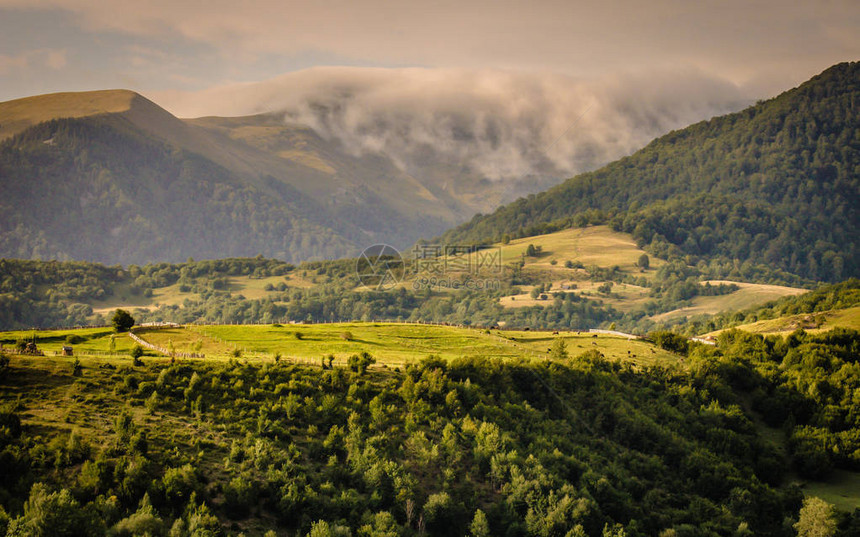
20	114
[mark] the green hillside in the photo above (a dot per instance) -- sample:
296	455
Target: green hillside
829	306
110	176
484	443
775	185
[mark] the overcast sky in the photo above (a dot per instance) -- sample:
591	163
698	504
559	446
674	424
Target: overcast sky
163	46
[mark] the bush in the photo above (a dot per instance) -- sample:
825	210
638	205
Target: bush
670	341
54	513
360	362
136	352
346	336
74	339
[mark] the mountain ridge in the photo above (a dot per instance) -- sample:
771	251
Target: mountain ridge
774	184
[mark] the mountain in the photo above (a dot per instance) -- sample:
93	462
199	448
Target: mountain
110	176
776	184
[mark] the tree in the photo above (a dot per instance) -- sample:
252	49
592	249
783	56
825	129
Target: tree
360	362
480	527
531	251
559	349
136	352
321	528
441	514
817	519
644	262
53	513
122	321
144	521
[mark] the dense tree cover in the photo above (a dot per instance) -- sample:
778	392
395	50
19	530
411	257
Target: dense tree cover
772	186
577	446
807	384
55	293
101	189
826	298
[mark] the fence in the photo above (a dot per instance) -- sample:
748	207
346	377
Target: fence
143	343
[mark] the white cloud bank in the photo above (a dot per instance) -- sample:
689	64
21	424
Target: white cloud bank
502	124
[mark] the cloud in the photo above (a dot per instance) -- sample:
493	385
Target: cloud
735	38
53	59
500	124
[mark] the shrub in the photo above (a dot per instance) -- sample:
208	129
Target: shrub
54	513
360	362
346	336
136	352
670	341
74	339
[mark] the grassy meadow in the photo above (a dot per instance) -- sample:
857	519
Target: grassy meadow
392	344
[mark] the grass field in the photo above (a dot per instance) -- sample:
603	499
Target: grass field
96	340
811	322
250	288
842	489
392	344
595	245
748	296
624	297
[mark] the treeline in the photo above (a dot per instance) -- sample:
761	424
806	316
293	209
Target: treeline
772	186
45	294
472	447
56	293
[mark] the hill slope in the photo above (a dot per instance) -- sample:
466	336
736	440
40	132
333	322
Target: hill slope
112	177
775	184
469	445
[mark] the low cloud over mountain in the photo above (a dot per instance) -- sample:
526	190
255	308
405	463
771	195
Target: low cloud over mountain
499	124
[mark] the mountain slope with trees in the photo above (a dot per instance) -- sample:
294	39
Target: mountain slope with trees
472	446
776	184
110	176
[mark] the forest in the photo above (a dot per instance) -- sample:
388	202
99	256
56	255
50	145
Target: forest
480	446
55	293
774	185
